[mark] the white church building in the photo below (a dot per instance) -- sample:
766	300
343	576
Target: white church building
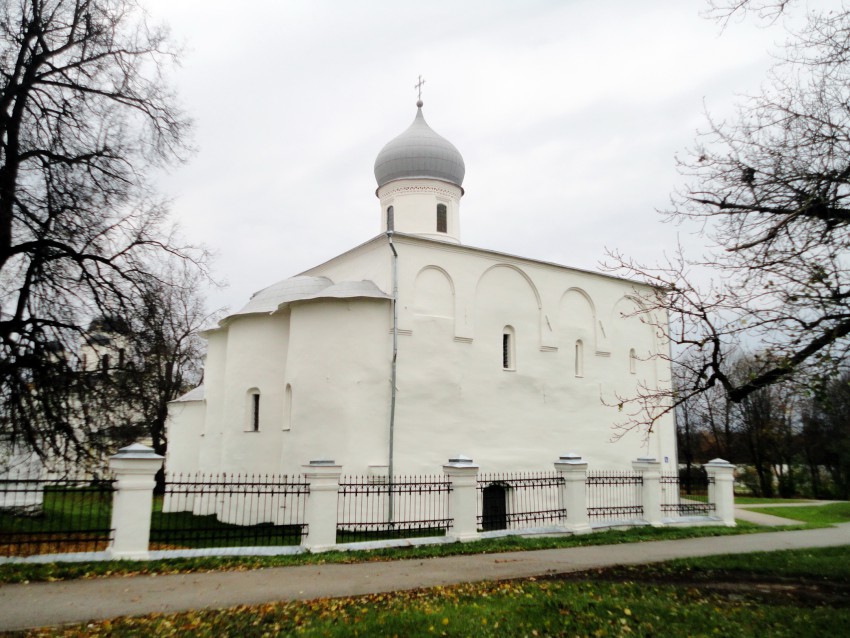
509	360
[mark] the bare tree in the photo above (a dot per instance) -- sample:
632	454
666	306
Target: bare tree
825	440
762	431
769	190
85	114
168	351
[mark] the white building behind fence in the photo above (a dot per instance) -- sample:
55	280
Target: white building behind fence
509	358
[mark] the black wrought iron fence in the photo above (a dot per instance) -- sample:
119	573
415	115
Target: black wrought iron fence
229	510
374	508
45	514
614	495
516	500
689	497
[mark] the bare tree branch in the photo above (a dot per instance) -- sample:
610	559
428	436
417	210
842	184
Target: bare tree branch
86	112
770	194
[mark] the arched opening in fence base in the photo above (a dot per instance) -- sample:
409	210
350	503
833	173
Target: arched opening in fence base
494	508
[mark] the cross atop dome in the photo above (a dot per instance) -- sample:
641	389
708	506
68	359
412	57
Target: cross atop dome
418	87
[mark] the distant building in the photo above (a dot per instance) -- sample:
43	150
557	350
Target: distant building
509	360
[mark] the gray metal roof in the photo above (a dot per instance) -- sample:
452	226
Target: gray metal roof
305	288
195	394
419	152
269	299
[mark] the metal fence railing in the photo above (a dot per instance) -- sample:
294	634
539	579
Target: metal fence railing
614	495
373	508
229	510
41	513
686	497
515	500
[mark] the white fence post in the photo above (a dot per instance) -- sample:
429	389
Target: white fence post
650	470
463	499
572	495
134	467
321	510
721	489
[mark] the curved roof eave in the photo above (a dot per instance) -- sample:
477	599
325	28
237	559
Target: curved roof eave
364	289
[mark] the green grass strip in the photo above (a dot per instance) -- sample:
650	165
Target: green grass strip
758	500
34	572
816	515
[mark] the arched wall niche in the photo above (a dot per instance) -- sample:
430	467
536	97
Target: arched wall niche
498	269
506	296
629	322
434	293
577	319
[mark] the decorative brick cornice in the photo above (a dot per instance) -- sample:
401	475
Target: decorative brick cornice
402	189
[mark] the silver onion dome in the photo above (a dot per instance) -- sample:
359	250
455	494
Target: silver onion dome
419	152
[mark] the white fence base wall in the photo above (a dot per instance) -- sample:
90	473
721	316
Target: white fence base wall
567	495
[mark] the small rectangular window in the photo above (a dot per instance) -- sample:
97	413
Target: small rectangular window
442	219
255	416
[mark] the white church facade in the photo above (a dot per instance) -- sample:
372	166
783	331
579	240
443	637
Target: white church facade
509	360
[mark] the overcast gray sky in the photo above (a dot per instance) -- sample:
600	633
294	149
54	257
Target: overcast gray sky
568	115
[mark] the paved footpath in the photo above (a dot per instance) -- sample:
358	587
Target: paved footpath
46	604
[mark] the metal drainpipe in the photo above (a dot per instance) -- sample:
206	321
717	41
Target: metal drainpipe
393	374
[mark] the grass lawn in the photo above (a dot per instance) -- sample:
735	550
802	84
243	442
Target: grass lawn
815	515
758	500
68	518
759	595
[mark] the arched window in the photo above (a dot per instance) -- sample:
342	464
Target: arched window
508	349
287	408
104	363
253	424
442	219
390	218
632	361
579	358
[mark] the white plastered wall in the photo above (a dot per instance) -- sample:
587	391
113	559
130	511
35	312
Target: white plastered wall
185	435
256	356
453	395
339	371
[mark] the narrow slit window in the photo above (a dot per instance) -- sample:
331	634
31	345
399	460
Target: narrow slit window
579	358
104	363
252	409
287	408
508	345
632	361
442	219
390	218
